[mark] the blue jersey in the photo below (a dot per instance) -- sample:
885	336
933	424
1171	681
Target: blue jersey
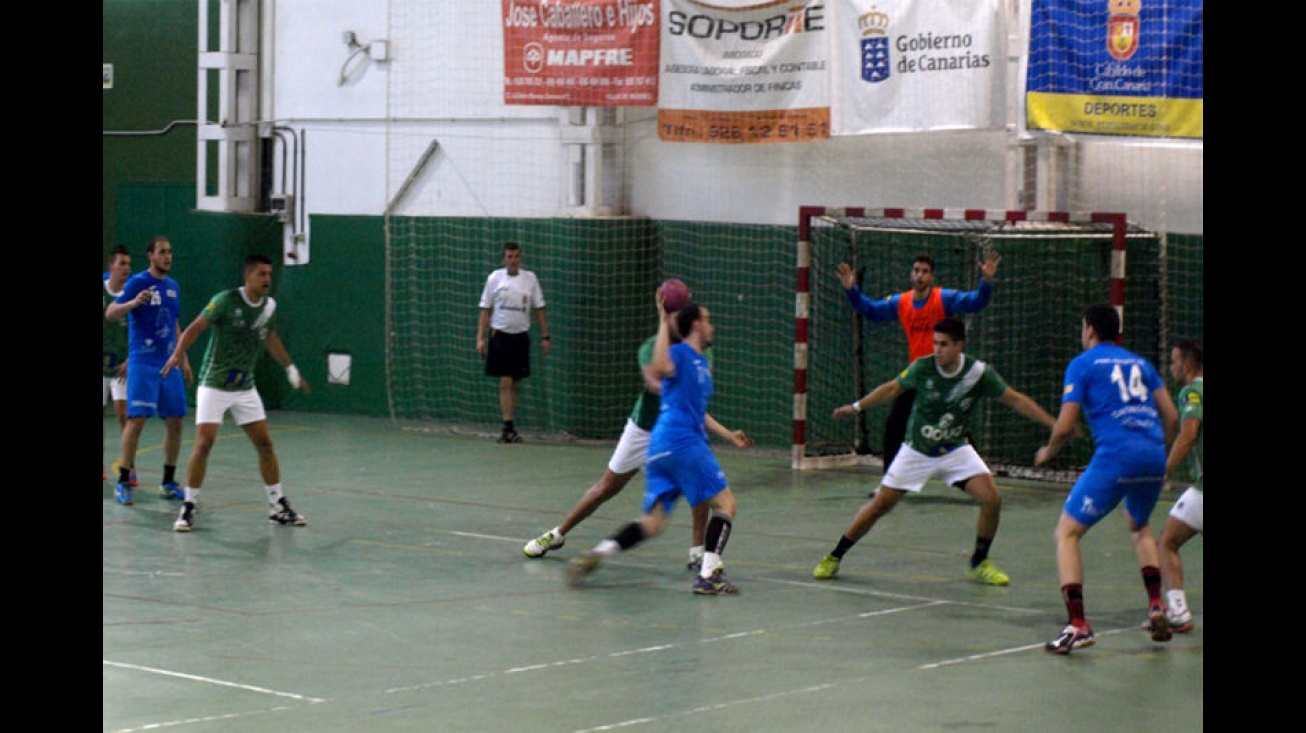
151	328
955	302
685	395
1114	387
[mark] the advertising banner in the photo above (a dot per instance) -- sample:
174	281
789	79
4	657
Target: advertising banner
918	65
1116	67
584	53
744	72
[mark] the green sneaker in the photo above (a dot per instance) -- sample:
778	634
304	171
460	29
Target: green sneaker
988	574
827	568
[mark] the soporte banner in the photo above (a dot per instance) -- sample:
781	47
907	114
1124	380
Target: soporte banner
586	53
747	71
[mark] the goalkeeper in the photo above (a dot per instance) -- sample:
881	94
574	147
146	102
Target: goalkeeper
917	309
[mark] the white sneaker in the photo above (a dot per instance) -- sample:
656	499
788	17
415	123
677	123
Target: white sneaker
542	544
185	518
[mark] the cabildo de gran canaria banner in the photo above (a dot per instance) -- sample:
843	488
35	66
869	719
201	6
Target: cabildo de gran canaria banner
1115	67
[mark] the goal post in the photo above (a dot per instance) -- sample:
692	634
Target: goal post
1053	264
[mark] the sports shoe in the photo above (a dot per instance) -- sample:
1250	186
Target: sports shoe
283	514
542	544
1158	622
185	518
714	585
988	573
827	568
123	493
509	436
581	566
1181	623
1072	637
171	490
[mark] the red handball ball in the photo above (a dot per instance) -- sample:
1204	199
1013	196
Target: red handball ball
675	294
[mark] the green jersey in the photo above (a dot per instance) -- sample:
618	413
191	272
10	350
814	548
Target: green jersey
114	351
648	405
940	415
1190	405
240	333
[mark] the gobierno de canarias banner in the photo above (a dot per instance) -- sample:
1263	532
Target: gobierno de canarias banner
585	53
918	65
744	71
1116	67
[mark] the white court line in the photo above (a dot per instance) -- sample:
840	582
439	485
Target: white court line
212	681
1012	650
204	719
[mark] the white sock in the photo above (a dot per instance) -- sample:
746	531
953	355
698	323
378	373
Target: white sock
274	494
607	548
557	534
711	561
192	495
696	553
1177	602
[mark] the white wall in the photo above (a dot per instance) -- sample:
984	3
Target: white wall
444	82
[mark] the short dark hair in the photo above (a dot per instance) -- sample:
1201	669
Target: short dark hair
1191	351
685	318
924	257
952	328
156	239
256	259
510	245
1104	320
118	249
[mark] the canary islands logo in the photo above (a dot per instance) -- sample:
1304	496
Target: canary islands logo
874	27
1122	28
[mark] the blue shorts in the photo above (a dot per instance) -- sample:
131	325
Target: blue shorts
691	471
150	393
1135	477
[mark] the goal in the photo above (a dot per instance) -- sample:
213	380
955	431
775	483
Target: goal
1053	264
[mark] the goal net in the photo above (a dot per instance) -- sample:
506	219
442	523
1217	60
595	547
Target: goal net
1053	264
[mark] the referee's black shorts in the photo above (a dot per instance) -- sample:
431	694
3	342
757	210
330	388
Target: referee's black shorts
509	355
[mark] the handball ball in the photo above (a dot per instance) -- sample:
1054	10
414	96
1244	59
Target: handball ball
675	294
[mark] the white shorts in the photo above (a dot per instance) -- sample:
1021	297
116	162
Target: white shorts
631	452
1189	508
211	404
911	468
116	388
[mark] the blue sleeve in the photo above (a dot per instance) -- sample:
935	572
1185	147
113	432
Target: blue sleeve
129	290
969	301
885	309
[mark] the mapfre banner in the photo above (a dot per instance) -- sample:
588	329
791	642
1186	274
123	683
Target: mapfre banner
917	65
585	53
747	71
1116	67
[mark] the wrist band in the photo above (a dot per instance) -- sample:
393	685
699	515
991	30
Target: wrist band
546	338
292	374
857	405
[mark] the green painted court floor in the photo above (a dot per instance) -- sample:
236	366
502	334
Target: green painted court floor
406	603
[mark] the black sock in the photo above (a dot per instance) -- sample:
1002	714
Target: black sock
124	474
717	534
844	546
508	427
169	474
981	551
630	535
